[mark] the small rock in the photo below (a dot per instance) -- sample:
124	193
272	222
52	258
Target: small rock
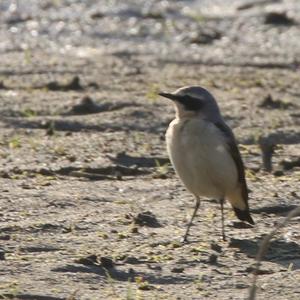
2	254
118	175
5	174
18	18
216	247
267	148
73	85
241	286
154	267
294	194
177	270
5	237
71	158
2	86
106	262
45	172
89	260
258	272
278	173
134	230
205	37
213	259
86	106
278	18
145	286
132	260
153	15
26	186
49	126
97	15
290	164
205	278
146	218
94	85
270	103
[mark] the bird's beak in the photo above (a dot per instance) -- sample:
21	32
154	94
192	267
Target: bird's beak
169	96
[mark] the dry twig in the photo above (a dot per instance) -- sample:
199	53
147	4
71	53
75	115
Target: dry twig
264	247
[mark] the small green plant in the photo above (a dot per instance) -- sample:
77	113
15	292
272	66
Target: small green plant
123	235
197	17
12	289
111	282
290	267
28	113
50	128
161	258
129	292
27	56
142	284
152	93
162	170
14	143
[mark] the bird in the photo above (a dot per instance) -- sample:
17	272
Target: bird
204	153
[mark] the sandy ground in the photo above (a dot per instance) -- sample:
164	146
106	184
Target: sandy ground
90	206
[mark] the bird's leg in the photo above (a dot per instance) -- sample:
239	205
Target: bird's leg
184	239
222	218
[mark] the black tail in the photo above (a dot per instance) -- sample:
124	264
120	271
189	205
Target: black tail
244	215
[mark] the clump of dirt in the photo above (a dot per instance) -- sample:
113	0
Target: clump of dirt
290	164
267	147
207	36
270	103
97	14
2	254
278	18
146	218
95	260
2	86
86	106
88	260
73	85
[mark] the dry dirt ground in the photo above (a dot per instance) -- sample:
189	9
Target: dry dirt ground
90	207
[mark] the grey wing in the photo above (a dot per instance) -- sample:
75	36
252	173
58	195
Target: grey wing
236	156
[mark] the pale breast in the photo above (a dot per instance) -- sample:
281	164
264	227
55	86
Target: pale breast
199	154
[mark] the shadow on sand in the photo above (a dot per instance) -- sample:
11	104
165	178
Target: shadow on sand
121	275
280	251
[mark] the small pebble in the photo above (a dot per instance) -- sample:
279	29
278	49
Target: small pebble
2	254
177	270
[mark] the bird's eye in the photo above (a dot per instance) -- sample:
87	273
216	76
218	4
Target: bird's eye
192	103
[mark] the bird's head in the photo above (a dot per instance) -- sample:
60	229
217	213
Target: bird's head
194	101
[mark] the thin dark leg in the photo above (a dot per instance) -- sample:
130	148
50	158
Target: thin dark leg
222	218
192	218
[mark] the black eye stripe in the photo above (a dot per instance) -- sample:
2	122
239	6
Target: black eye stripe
191	103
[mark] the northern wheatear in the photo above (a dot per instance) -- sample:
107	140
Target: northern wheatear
204	153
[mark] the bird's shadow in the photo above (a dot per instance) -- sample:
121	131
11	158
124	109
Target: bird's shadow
279	251
281	209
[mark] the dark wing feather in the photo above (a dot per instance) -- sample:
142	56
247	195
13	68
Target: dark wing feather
236	156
